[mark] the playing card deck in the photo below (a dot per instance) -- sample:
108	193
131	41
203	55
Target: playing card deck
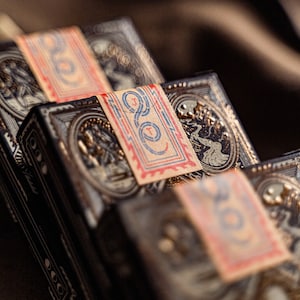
31	70
81	169
152	245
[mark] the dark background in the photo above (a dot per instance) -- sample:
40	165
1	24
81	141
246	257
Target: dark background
252	45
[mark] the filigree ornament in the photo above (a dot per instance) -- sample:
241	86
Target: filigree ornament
212	137
19	91
101	160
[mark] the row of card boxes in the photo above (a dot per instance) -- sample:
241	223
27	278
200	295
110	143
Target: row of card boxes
72	168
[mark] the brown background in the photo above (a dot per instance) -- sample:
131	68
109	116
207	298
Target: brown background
252	45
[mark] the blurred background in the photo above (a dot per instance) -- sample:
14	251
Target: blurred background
252	45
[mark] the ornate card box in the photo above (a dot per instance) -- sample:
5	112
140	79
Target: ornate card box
81	169
125	61
150	247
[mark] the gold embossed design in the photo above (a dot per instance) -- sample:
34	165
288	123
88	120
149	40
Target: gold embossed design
212	136
100	157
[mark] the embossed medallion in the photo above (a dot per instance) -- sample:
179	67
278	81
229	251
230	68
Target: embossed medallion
99	156
207	127
19	91
106	174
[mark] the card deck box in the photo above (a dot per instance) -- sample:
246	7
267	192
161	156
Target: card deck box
150	247
126	62
76	192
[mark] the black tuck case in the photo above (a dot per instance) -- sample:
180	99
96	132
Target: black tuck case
151	245
126	63
75	195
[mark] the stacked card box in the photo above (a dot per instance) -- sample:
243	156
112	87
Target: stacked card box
81	170
126	63
151	247
101	219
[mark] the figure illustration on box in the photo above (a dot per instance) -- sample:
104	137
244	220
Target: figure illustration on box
18	88
103	156
213	156
101	159
210	134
